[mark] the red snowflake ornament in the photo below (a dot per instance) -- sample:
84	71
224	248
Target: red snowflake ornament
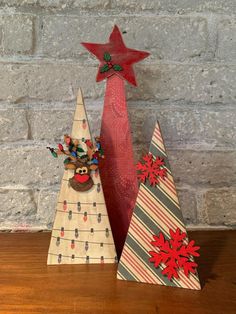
151	170
174	254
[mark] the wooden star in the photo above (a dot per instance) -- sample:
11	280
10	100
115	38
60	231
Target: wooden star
115	57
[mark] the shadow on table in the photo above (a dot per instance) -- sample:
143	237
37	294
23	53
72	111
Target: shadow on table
210	251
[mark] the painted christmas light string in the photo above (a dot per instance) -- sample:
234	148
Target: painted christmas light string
88	259
81	232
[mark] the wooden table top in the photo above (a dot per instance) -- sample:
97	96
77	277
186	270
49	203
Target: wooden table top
28	285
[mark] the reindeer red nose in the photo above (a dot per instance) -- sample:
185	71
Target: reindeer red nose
81	176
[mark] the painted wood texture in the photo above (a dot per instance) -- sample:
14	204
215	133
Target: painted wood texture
28	285
118	172
157	209
81	230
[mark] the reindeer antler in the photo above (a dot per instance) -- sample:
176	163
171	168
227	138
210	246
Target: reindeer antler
74	151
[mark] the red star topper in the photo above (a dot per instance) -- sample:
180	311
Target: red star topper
115	57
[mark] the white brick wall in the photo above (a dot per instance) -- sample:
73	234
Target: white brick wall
188	83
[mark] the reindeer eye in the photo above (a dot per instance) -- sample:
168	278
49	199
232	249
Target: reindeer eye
85	170
79	170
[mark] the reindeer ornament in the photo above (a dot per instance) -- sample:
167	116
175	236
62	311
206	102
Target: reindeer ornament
82	181
80	161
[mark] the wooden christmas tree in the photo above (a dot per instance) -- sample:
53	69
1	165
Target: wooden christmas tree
119	181
157	249
81	232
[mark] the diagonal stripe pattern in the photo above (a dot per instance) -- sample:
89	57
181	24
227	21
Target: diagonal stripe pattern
156	210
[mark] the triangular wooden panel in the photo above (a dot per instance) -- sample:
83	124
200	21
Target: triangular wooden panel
81	231
156	210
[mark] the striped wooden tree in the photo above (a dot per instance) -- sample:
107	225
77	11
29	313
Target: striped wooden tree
81	231
157	210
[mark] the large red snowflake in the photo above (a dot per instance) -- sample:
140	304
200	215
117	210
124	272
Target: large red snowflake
174	254
152	169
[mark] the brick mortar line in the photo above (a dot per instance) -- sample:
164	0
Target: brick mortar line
34	188
199	189
108	12
37	144
209	227
16	229
97	105
38	104
35	60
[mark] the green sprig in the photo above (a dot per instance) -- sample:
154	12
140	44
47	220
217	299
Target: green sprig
117	67
104	68
107	57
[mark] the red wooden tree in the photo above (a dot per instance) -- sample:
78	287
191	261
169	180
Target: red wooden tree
118	173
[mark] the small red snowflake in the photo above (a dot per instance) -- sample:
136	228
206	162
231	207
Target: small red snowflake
175	254
151	170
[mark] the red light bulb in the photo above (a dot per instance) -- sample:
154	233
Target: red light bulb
85	216
65	205
84	125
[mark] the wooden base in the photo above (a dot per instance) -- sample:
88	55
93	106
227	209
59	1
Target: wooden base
28	285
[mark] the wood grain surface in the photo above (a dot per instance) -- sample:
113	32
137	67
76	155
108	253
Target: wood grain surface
28	285
79	254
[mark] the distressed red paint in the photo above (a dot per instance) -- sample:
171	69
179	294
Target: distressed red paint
118	173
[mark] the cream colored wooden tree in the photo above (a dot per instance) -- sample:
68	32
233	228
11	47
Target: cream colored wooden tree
81	231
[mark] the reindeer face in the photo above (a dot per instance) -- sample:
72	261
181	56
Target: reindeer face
82	173
80	161
82	180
